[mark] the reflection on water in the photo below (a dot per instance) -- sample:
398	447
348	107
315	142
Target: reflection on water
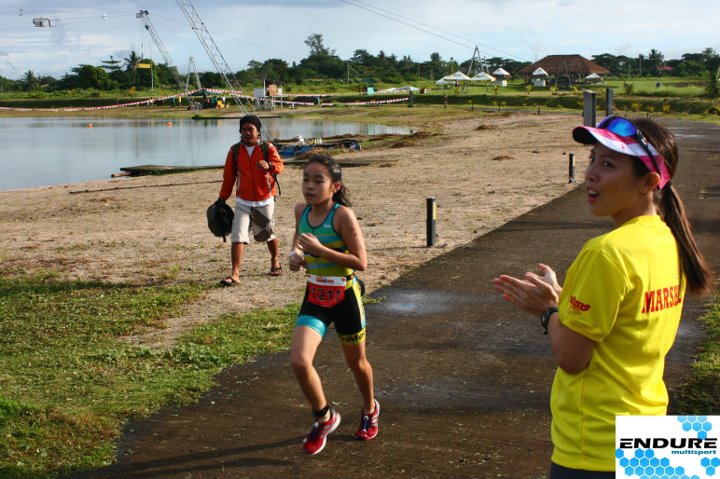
51	151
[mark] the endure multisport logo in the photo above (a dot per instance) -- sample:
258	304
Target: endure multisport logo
667	447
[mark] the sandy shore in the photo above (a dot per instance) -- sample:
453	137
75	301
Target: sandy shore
483	169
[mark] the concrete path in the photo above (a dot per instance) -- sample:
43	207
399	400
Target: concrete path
463	378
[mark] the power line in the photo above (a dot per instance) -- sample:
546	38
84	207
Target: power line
15	7
406	23
224	35
93	18
373	8
262	47
69	20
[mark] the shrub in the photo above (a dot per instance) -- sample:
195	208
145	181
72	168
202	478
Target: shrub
712	87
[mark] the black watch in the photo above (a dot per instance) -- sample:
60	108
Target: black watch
545	317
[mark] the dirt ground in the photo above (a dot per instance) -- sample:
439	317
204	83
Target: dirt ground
483	169
463	378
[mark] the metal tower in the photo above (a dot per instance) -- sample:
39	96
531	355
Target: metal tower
212	50
477	63
192	70
143	15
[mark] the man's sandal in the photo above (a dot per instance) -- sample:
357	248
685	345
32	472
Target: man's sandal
275	270
229	281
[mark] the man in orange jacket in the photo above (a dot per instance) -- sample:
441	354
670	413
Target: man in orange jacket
251	168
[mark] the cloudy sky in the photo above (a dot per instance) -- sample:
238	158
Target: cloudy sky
89	32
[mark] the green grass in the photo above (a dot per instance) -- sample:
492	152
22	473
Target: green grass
700	395
675	95
68	383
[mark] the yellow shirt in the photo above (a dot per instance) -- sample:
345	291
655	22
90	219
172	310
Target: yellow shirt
624	291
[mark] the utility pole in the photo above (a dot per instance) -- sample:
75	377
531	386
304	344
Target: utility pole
475	63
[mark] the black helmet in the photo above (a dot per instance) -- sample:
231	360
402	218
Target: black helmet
220	218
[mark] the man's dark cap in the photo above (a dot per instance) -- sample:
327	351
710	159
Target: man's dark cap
251	119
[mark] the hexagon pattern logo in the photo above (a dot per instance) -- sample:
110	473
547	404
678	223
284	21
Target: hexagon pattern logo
667	447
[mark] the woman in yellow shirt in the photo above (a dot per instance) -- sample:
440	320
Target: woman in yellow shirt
614	320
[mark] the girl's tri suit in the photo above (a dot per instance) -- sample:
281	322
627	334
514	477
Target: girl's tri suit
625	292
333	292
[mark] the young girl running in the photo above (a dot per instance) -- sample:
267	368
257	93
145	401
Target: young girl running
328	243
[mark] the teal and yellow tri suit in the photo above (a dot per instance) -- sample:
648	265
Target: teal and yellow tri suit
625	292
333	291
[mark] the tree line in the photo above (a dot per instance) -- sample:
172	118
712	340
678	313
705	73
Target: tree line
360	69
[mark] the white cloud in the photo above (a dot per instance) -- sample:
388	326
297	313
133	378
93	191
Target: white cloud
89	32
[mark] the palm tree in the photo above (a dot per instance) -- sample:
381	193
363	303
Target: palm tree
31	81
111	65
131	63
656	61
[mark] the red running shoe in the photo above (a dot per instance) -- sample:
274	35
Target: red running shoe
315	441
368	424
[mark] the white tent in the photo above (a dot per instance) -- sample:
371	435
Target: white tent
457	76
539	77
400	89
501	76
482	76
501	72
593	77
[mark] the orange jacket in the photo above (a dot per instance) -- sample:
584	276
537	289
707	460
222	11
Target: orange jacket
253	183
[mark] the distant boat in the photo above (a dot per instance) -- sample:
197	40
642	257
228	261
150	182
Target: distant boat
146	170
286	149
290	150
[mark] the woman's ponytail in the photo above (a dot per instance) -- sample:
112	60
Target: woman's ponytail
696	270
673	212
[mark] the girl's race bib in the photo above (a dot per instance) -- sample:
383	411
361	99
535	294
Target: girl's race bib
326	291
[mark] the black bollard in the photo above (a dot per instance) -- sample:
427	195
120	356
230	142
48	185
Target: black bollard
571	168
431	220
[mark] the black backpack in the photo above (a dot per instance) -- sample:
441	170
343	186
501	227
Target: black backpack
220	218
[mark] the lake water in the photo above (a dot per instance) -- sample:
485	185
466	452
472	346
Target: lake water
51	151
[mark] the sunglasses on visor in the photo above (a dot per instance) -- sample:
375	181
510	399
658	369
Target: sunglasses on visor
625	128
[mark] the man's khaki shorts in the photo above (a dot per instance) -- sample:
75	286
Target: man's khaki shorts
258	219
